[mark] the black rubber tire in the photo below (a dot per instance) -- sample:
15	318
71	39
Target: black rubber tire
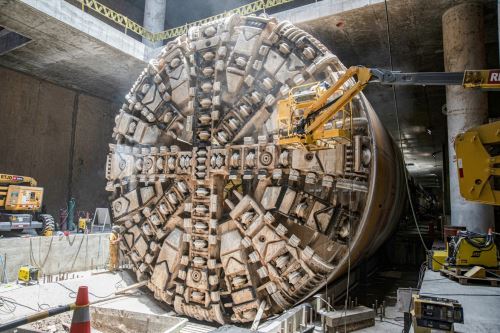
48	223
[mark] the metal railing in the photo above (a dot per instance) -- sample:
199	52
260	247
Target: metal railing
130	25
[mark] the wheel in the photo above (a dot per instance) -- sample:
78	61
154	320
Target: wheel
48	224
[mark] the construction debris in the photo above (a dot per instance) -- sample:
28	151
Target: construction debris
55	324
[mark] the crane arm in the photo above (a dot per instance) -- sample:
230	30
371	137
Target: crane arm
487	79
318	110
482	79
387	77
363	77
6	180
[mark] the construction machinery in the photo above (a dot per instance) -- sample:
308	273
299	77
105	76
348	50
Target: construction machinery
318	115
218	211
21	205
464	249
28	274
468	248
83	222
435	313
222	221
478	157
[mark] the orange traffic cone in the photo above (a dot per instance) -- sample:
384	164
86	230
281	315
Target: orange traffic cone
81	316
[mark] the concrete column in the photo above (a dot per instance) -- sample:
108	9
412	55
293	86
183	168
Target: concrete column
463	42
154	18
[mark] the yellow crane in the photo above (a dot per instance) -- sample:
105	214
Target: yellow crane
304	114
21	205
478	163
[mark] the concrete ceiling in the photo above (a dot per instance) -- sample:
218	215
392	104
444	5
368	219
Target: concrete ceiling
360	37
71	48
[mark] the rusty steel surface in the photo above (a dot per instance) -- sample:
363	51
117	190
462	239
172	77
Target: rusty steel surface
214	214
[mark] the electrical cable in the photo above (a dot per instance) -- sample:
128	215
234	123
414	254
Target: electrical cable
11	304
399	130
390	322
346	302
441	279
43	306
405	172
348	257
496	275
71	214
77	252
119	283
421	274
32	255
6	307
72	293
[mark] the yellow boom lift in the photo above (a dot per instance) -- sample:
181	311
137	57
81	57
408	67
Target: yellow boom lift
305	117
21	205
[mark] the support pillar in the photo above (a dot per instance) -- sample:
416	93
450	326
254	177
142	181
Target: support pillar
463	43
154	19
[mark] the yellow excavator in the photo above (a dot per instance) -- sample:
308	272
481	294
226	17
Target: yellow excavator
21	205
318	115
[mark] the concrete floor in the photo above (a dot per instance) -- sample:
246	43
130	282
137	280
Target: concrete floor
53	294
481	303
480	312
393	323
383	286
45	295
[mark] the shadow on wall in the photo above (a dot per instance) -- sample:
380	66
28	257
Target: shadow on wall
56	135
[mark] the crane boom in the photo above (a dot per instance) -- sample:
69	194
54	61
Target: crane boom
6	179
303	115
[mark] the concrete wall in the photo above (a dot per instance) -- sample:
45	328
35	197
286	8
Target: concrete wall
54	255
107	320
94	125
57	135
